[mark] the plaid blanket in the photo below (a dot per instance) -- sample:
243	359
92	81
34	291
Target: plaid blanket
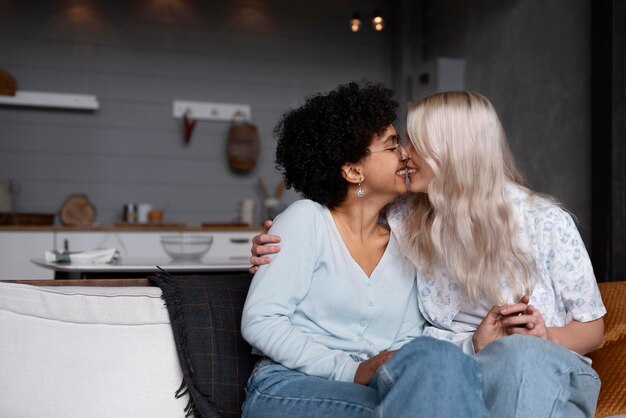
205	312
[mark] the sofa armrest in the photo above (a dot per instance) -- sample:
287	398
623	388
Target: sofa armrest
609	360
77	351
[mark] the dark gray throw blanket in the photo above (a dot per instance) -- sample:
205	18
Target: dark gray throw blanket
205	312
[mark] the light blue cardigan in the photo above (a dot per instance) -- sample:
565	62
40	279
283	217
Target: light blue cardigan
313	308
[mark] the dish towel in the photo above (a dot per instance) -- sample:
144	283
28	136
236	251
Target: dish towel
99	256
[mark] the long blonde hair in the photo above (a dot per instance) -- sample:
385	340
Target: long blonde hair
465	221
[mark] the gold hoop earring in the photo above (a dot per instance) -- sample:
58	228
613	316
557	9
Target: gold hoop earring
359	191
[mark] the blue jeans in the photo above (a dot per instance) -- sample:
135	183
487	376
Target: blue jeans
426	378
534	378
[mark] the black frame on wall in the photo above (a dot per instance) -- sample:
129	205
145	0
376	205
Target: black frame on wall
608	111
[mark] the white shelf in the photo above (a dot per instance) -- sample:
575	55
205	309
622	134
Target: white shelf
51	100
211	111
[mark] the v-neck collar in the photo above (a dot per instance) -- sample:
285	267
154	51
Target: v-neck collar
380	266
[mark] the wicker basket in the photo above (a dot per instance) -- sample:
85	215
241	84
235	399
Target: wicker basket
242	147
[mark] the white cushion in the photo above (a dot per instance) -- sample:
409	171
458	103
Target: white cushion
87	351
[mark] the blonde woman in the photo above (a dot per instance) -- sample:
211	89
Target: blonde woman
502	271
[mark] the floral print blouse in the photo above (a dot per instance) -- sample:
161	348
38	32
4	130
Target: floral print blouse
565	287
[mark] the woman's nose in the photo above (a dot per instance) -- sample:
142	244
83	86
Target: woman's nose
404	155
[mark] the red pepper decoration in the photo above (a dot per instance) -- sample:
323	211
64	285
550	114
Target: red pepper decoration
188	125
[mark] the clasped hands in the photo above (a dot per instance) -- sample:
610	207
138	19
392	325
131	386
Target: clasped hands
503	320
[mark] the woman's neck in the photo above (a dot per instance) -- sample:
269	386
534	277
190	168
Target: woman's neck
363	236
358	218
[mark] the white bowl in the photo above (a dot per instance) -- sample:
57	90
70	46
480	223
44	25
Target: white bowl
186	247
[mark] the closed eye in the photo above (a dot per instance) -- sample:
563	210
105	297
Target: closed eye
392	148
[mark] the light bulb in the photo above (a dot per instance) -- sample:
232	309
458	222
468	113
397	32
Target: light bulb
355	23
378	22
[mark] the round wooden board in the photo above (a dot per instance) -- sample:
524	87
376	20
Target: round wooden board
77	210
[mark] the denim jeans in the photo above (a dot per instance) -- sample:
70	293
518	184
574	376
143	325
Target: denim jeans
426	378
527	377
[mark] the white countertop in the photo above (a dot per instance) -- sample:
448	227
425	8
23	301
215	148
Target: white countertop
122	265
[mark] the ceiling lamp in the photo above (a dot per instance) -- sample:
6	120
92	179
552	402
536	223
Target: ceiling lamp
378	22
355	23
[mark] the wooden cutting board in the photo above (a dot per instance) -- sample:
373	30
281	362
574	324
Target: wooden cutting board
158	225
77	210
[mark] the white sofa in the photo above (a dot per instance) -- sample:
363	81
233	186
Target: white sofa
110	352
87	352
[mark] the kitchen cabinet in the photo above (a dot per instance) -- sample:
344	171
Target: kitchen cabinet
129	244
148	244
16	250
18	247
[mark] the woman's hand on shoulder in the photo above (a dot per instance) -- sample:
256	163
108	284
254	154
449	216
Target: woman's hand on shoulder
368	368
261	246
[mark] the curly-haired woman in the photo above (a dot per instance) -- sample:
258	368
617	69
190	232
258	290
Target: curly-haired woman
335	314
481	240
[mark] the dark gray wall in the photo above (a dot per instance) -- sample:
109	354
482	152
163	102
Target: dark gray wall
533	60
137	60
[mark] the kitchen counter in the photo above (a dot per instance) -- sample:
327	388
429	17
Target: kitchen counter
20	244
127	267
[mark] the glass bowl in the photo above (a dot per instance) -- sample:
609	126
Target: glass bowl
186	247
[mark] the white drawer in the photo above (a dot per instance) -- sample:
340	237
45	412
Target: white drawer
231	244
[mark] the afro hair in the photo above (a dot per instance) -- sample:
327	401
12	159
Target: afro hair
316	139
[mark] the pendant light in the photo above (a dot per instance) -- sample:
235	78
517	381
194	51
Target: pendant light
355	23
378	22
